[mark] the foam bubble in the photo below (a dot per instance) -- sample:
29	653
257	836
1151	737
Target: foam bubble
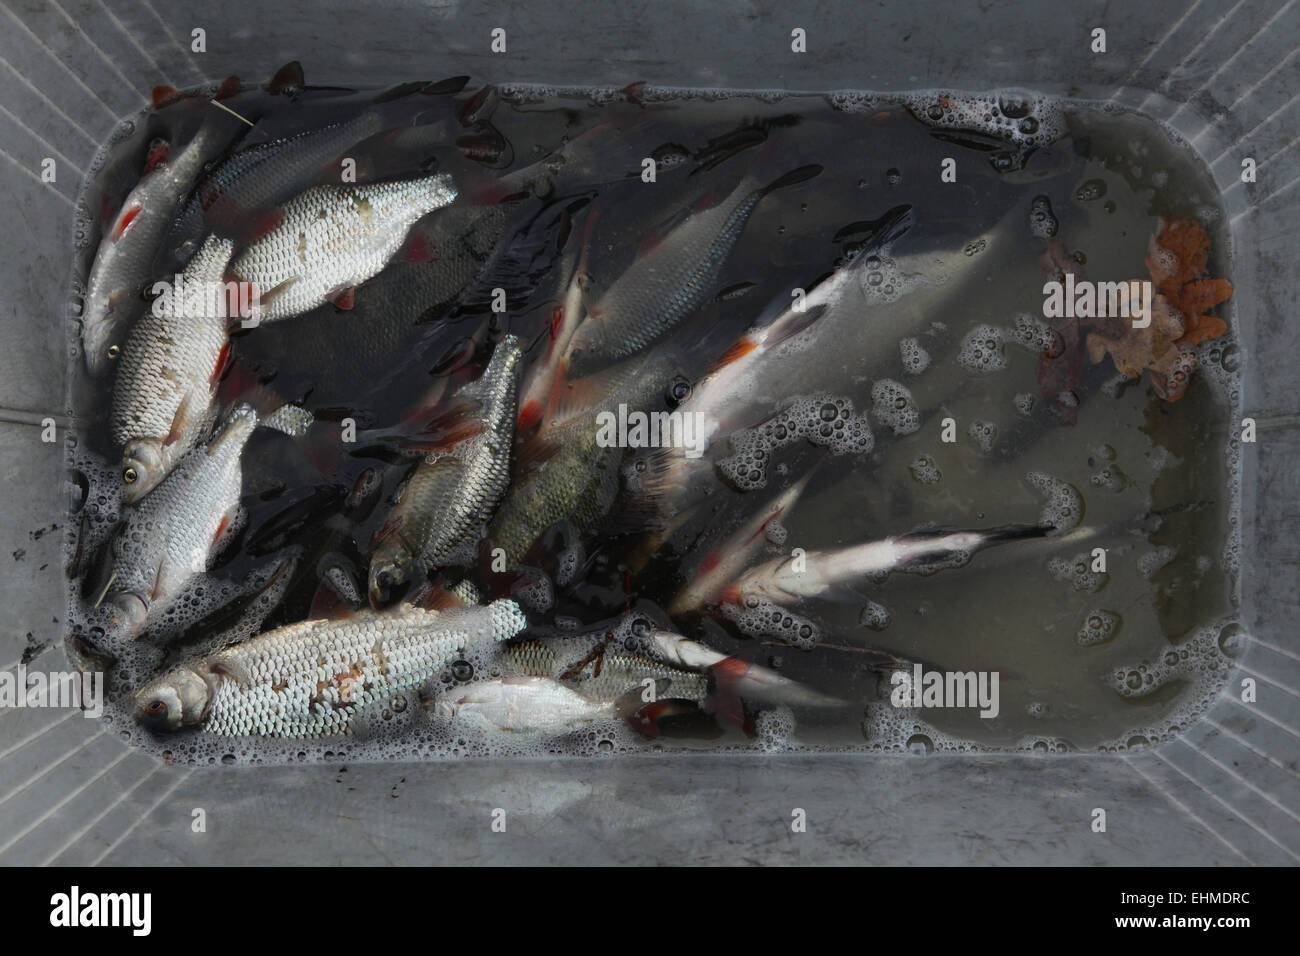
915	358
894	407
984	434
1099	626
983	350
1063	504
925	470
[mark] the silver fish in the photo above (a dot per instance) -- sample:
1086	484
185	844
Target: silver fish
313	678
124	261
331	239
163	393
567	474
752	681
252	182
450	495
821	574
538	705
717	569
601	671
737	392
175	530
672	280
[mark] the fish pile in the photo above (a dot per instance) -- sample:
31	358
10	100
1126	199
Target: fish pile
517	426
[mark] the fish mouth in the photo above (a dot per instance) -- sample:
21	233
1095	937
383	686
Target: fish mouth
142	469
383	584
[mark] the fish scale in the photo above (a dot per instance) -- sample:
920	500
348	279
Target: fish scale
581	480
125	257
312	678
449	496
169	362
662	287
261	177
388	313
169	536
332	238
607	676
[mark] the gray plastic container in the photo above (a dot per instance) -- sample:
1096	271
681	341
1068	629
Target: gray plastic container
1223	76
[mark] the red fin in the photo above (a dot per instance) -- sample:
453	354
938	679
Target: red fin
446	440
419	249
737	351
327	604
237	381
221	529
345	299
647	720
223	363
649	243
261	226
479	106
162	95
529	415
288	79
633	93
707	201
384	530
434	597
535	452
124	221
178	421
158	157
557	321
229	87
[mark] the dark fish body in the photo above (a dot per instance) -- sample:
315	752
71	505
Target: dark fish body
671	281
580	479
450	495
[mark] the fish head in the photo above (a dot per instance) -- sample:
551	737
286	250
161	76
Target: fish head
101	339
585	348
143	465
390	567
176	700
129	613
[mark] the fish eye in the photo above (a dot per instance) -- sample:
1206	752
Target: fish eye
155	712
679	390
114	351
462	671
129	475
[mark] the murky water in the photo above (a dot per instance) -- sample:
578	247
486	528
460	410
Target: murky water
948	342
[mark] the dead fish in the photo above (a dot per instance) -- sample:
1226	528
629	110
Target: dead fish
240	198
674	278
124	261
719	568
565	472
451	494
331	239
313	678
538	705
176	529
169	370
824	574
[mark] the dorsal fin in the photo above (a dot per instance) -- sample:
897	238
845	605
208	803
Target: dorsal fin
288	79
